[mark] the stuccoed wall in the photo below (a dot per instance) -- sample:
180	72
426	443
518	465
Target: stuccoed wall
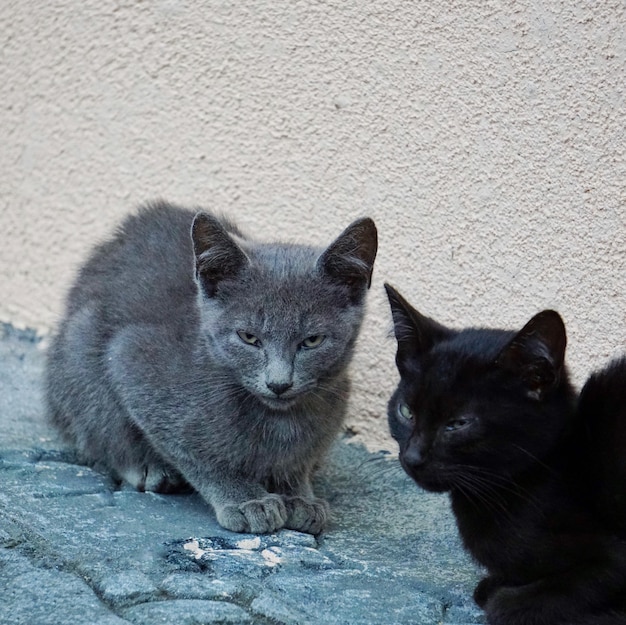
486	138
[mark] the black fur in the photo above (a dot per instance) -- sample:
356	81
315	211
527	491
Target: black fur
537	486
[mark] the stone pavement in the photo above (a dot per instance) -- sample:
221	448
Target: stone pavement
75	549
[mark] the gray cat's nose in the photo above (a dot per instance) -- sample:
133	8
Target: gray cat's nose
279	387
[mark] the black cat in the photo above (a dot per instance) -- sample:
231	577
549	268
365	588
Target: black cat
537	479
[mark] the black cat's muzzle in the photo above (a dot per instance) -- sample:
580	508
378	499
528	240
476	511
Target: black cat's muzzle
423	473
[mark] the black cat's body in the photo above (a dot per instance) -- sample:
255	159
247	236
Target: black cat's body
536	484
602	410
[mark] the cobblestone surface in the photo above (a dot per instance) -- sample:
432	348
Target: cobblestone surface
76	549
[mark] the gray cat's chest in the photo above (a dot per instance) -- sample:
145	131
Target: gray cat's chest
275	445
281	437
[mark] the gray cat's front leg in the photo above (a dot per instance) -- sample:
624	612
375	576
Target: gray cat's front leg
154	477
243	507
305	511
155	392
307	515
256	516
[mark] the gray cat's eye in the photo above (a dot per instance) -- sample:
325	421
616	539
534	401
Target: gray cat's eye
313	341
248	338
404	411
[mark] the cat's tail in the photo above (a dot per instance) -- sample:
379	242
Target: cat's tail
602	409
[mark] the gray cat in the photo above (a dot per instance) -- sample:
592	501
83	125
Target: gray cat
191	355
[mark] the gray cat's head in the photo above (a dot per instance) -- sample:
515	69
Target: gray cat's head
283	319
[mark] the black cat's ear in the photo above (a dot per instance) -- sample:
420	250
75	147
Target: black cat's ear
216	253
537	352
415	333
349	260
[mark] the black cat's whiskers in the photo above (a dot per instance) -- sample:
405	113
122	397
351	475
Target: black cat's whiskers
492	486
393	471
500	481
534	458
383	466
468	493
386	458
477	490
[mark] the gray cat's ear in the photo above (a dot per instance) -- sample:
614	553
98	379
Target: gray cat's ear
216	253
416	334
537	352
349	260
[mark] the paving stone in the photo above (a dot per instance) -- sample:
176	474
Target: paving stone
10	532
331	597
187	612
469	613
31	595
271	606
9	458
75	548
289	538
296	557
201	586
256	556
55	479
127	588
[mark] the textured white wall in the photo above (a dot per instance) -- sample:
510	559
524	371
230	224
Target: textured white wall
486	138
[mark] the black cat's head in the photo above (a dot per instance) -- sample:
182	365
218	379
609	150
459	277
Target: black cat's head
478	405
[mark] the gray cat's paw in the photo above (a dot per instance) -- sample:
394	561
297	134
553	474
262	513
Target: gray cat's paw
257	516
157	479
307	515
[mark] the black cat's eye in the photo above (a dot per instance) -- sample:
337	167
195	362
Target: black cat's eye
311	342
404	411
458	424
248	338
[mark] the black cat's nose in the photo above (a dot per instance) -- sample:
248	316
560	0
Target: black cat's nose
279	387
413	457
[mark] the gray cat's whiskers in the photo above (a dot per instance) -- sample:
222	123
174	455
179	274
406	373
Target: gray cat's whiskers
323	396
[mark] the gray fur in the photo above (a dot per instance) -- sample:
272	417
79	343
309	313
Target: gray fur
149	377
